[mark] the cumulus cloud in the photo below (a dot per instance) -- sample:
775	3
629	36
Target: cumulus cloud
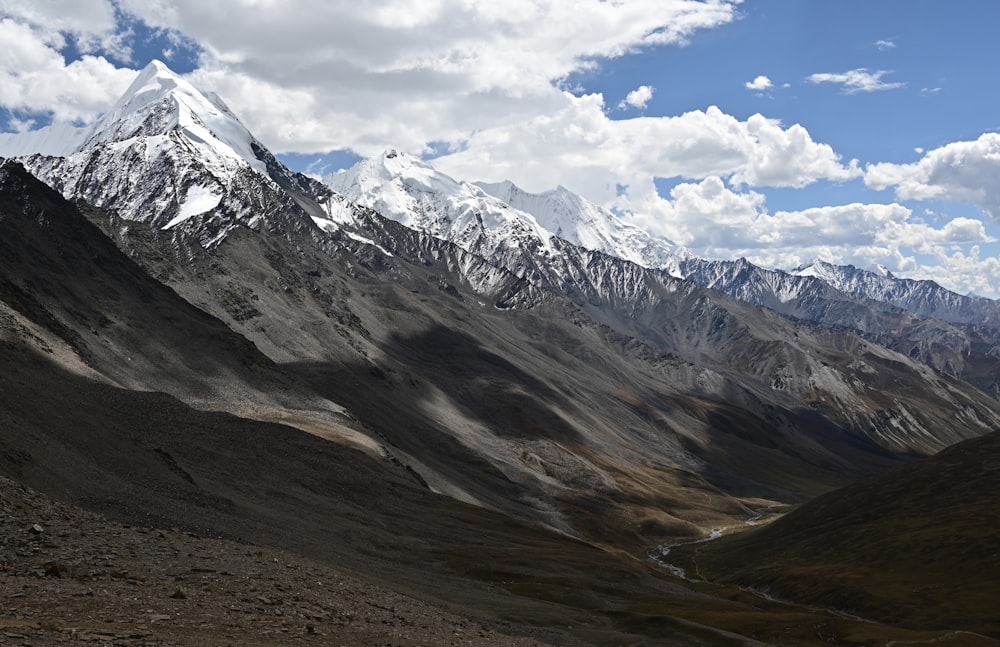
791	237
682	216
407	73
85	19
965	272
834	226
885	44
925	239
638	98
961	172
92	24
583	149
759	84
855	81
34	77
579	146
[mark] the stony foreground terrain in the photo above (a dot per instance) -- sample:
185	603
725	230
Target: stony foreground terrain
69	576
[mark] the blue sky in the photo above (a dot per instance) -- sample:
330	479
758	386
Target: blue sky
939	56
779	130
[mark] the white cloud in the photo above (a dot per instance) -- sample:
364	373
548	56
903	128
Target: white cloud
850	224
580	147
759	84
961	172
35	78
86	19
859	80
638	98
885	44
704	216
965	272
925	239
407	73
22	125
92	24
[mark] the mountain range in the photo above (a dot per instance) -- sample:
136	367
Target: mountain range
489	366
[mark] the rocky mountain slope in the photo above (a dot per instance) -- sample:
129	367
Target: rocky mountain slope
953	333
287	266
641	301
925	298
964	342
76	576
151	460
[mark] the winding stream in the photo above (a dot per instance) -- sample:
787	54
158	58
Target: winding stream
659	554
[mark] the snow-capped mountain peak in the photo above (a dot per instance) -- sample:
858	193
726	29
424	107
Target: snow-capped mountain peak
492	219
881	270
412	192
160	101
842	276
590	226
817	269
166	153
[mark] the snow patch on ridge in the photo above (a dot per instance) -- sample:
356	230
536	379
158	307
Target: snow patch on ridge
199	200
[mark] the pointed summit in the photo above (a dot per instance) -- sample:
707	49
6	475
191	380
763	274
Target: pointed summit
842	276
881	270
171	155
124	120
160	101
119	123
818	269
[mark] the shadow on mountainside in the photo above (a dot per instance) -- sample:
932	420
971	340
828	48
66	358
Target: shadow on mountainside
149	461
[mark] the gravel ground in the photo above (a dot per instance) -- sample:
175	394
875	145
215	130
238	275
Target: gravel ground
69	576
